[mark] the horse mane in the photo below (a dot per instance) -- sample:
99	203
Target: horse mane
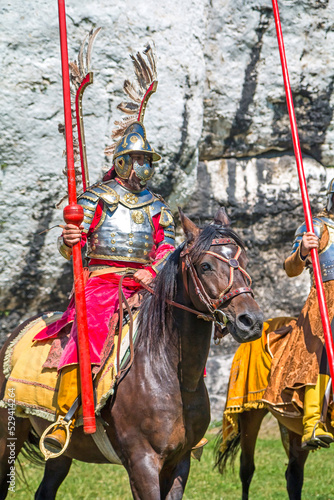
155	317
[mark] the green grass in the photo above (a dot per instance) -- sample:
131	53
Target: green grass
110	482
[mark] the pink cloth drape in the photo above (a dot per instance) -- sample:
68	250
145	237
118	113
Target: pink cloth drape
102	302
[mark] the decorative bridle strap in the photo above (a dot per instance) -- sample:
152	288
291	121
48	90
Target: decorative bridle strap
234	264
211	304
225	295
199	288
230	295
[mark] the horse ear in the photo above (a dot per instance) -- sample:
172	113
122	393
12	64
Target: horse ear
221	218
189	228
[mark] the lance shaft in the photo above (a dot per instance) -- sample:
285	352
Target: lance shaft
305	198
73	214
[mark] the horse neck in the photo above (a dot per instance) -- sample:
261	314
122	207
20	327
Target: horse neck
194	343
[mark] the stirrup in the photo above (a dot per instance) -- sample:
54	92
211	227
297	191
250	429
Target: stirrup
316	442
60	421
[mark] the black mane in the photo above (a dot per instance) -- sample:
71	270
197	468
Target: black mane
155	318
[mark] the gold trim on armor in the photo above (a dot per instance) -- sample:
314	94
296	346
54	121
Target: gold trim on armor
167	215
87	197
159	262
147	210
130	198
138	205
137	216
119	257
63	249
89	208
101	221
88	220
100	270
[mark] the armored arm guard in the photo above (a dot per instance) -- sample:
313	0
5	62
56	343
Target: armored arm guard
167	245
63	249
89	201
295	264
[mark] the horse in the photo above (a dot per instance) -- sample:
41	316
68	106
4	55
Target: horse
249	423
160	408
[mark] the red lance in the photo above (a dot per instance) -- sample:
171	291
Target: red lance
306	202
73	214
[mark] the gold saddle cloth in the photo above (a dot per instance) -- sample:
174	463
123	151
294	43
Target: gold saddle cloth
249	377
34	388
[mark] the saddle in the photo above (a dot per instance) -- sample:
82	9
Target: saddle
31	368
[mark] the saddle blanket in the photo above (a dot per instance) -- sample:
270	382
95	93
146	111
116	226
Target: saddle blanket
33	380
248	378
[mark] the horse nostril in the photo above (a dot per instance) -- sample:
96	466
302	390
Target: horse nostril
246	320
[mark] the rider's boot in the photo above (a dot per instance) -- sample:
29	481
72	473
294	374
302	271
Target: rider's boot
68	391
315	432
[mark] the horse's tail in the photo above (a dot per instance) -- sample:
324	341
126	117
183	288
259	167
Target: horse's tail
226	452
31	451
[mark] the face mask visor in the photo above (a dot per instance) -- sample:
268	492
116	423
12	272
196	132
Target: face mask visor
144	171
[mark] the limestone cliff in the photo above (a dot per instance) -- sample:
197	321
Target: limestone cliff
219	120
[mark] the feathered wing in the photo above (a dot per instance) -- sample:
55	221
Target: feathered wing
146	74
78	71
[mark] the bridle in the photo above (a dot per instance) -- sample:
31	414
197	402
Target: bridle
188	269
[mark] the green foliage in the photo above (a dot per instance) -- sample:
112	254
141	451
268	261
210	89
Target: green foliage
101	482
4	313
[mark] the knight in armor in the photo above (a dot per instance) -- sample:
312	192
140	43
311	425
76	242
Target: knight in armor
126	228
309	350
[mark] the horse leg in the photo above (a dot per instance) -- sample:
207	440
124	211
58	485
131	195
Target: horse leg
56	470
295	471
173	482
143	469
250	423
11	442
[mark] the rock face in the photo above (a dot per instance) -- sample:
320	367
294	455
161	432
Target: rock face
219	120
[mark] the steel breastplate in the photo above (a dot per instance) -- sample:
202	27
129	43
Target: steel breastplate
125	230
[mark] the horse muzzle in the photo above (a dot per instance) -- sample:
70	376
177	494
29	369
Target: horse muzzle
247	326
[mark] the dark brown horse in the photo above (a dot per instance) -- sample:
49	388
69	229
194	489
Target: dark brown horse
161	409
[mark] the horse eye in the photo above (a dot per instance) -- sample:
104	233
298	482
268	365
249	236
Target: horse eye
206	267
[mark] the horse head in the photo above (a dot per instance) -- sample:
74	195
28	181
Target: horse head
214	273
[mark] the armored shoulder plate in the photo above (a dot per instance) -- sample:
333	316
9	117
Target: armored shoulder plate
318	224
103	190
166	219
326	256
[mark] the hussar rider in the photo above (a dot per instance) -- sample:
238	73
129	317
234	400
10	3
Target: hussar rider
126	228
309	365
